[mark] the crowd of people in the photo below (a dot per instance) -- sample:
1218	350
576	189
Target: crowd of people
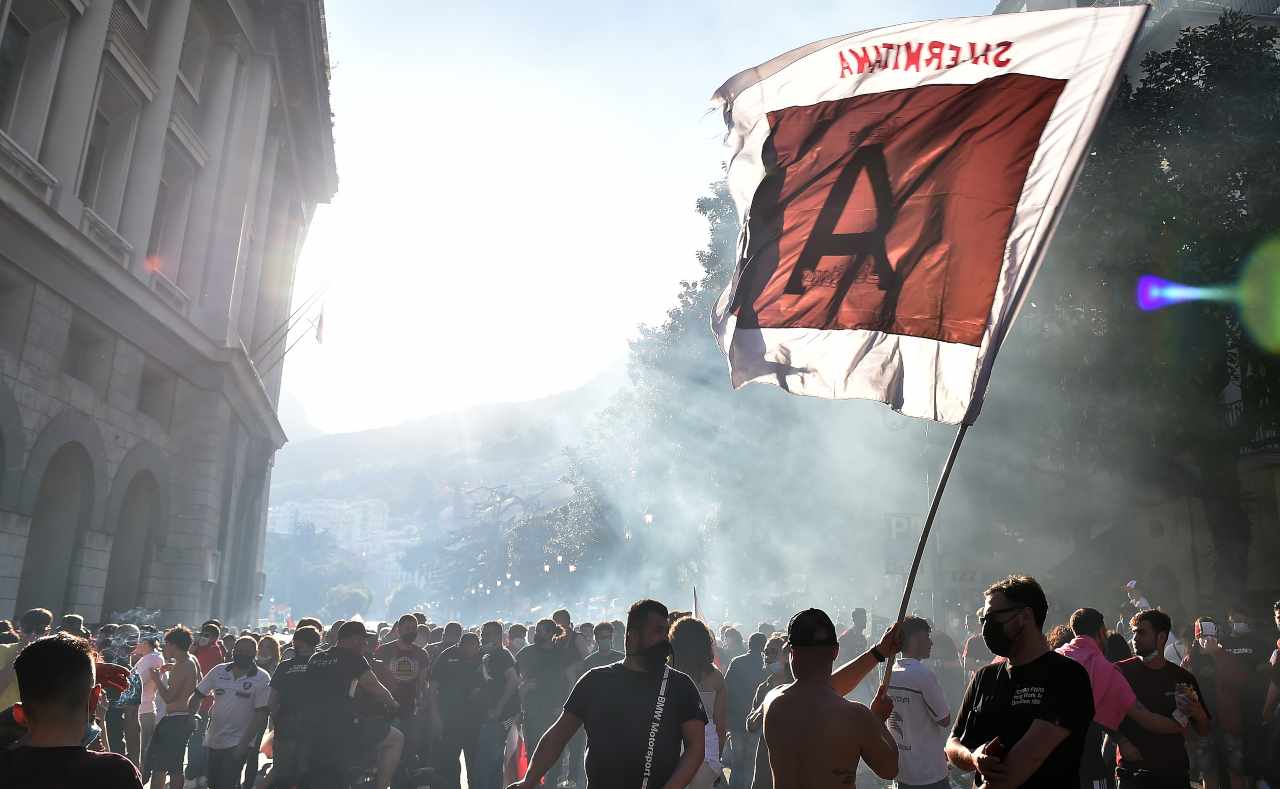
658	700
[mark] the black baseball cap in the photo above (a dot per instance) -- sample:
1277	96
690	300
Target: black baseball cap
354	628
811	628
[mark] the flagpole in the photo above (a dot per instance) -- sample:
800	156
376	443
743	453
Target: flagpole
924	534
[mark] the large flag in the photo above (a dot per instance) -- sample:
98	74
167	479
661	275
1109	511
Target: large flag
896	190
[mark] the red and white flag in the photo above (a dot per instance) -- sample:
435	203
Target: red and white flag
896	190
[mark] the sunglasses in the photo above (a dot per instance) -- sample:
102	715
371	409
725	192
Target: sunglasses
983	617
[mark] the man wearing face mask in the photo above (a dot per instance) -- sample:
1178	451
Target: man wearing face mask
145	658
1024	720
457	681
1224	681
501	706
402	667
1150	760
637	714
288	709
208	652
777	671
335	677
59	694
241	695
745	674
544	686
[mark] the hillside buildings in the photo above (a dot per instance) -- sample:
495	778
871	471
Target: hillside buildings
160	161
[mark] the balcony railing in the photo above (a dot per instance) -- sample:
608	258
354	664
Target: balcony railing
127	26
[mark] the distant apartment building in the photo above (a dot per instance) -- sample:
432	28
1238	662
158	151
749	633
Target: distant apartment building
160	161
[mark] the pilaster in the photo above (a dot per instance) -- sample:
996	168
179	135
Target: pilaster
73	104
168	30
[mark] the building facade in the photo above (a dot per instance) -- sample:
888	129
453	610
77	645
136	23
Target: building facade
160	161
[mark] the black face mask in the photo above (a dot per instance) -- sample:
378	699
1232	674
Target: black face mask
408	638
655	657
999	642
244	661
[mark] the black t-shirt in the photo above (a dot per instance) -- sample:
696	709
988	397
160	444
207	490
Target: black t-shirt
66	768
1155	689
458	682
601	657
1005	700
329	679
495	665
289	683
1251	650
546	667
616	706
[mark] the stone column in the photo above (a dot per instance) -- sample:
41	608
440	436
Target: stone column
215	97
244	296
234	209
73	104
168	31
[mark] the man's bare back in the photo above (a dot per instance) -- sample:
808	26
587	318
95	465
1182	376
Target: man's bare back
816	738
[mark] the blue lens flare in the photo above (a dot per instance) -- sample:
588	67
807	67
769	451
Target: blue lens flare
1156	293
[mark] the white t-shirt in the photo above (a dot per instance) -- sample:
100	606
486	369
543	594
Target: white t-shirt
143	669
919	707
235	699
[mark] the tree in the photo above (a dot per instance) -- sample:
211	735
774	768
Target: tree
1182	182
346	601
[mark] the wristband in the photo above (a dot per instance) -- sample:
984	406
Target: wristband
876	654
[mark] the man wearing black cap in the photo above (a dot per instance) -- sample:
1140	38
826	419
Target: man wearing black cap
338	739
816	736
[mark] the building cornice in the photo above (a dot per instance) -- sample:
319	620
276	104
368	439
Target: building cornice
61	257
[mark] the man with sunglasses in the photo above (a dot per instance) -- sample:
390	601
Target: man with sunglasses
1024	719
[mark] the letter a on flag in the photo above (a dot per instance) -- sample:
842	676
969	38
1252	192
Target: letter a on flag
896	191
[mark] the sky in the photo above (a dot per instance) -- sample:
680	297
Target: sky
516	188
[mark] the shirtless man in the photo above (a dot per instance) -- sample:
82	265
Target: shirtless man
169	743
816	736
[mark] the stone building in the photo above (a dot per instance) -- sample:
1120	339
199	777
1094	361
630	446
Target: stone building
160	161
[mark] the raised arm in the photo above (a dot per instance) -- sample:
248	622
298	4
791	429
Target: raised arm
851	674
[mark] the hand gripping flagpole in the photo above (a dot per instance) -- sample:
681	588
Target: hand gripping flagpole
924	534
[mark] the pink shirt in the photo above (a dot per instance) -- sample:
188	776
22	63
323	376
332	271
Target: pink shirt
1112	696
